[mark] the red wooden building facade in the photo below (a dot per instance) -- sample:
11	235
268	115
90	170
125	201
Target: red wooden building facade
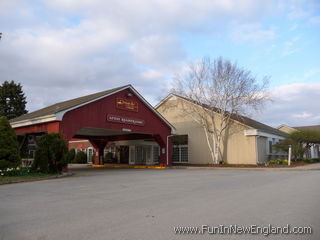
119	114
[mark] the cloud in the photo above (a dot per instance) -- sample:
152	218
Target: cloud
290	46
253	33
315	20
293	104
302	115
60	49
157	50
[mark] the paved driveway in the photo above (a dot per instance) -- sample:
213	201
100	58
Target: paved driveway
147	204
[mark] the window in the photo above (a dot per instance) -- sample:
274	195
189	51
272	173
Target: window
180	154
270	147
156	153
180	149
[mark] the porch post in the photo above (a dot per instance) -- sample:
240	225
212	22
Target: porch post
165	150
99	145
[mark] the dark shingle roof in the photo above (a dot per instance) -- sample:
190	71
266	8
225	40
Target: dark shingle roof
310	128
249	122
258	125
58	107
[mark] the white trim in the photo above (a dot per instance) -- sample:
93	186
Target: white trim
79	141
256	132
32	121
163	100
173	130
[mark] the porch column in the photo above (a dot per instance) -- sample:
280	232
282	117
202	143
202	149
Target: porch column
99	145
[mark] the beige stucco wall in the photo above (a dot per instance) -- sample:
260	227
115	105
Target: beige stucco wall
240	149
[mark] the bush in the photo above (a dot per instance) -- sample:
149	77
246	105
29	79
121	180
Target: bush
50	154
70	156
9	146
81	157
309	160
109	158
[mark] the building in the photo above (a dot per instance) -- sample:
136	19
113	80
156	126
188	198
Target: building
119	120
314	150
248	141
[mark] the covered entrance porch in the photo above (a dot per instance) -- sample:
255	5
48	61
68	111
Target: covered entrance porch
121	147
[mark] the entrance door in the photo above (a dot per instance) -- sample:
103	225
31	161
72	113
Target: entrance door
124	154
140	155
89	154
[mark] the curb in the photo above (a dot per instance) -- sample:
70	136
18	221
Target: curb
128	167
239	168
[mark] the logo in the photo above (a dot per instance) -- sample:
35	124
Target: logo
126	104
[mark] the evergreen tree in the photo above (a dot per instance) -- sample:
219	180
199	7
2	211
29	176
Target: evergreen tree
50	153
9	146
12	100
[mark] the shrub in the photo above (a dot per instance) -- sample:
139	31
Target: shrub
309	160
70	155
81	157
316	159
9	146
109	158
278	162
49	157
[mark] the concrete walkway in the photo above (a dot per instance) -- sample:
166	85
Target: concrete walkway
313	166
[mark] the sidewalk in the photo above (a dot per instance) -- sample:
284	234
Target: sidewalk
313	166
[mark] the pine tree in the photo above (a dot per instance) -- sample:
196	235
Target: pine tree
9	146
50	153
12	100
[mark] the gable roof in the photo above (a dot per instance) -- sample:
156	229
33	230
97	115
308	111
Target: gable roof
236	117
310	128
61	106
56	111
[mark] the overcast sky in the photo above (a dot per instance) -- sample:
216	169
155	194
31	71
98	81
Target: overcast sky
61	49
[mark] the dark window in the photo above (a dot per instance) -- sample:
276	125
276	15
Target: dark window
270	147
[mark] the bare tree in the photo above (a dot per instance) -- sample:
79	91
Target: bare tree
219	92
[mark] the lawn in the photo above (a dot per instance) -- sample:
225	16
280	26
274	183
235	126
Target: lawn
30	176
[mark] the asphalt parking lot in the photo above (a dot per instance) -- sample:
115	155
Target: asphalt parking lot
148	204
